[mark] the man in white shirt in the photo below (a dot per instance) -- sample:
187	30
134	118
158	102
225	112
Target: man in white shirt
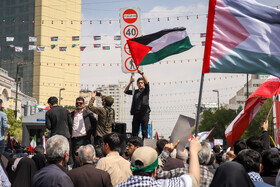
83	126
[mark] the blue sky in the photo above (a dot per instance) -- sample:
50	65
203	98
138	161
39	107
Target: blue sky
180	92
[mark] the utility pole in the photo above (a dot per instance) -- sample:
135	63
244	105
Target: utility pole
59	99
218	98
16	92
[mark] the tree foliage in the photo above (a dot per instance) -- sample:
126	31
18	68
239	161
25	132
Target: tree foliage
15	125
254	128
220	119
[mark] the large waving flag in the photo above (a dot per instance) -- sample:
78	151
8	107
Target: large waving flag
242	37
152	48
269	88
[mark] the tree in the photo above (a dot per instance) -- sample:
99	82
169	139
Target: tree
219	119
254	128
15	125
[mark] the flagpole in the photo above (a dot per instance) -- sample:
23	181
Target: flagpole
274	121
270	108
199	103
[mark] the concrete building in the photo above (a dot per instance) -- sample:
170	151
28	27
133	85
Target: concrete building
42	74
114	90
25	103
241	95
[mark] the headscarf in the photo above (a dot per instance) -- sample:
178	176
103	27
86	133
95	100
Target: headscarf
40	160
231	174
24	173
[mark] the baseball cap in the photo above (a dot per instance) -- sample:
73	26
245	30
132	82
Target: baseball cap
144	159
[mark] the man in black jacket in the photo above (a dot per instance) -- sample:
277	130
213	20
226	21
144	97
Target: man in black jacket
140	108
58	119
83	126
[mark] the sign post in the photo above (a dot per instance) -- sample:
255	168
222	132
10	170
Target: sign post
130	23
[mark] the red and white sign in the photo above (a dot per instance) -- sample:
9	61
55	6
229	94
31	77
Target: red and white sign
126	49
130	23
129	65
130	16
130	32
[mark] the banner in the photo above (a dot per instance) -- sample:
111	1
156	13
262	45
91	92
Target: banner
54	38
18	49
10	39
32	47
32	39
40	49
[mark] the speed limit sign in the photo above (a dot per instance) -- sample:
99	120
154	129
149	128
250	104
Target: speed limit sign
130	23
130	32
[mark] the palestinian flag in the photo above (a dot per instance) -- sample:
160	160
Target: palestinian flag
96	45
53	46
117	37
152	48
202	35
40	49
106	47
82	48
75	38
32	39
10	46
97	37
10	39
32	47
18	49
54	38
62	48
74	45
242	37
118	46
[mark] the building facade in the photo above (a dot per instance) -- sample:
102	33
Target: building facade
42	74
241	95
8	94
116	91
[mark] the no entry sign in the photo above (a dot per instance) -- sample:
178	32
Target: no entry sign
130	16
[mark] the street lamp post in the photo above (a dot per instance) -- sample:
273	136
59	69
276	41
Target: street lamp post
218	98
60	95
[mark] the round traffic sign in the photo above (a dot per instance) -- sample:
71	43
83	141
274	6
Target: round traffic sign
130	16
130	32
129	64
126	49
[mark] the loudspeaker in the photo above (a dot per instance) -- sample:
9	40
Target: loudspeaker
120	128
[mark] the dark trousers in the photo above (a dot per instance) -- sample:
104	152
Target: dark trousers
77	142
143	120
2	146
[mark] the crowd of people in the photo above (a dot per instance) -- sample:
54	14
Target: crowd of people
248	163
84	150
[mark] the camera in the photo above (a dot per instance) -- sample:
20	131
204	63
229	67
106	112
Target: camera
98	94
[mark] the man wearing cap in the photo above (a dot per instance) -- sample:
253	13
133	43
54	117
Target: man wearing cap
144	162
106	116
140	108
